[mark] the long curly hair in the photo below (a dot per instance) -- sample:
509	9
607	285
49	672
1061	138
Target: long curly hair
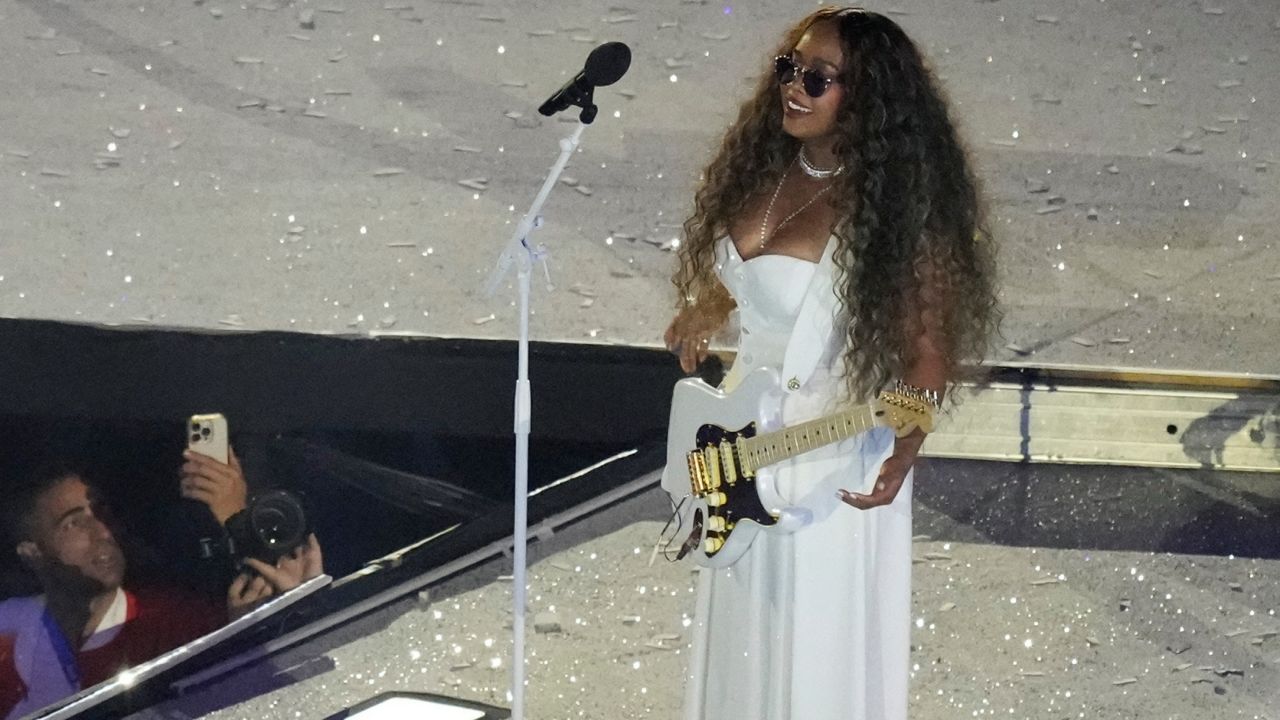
912	239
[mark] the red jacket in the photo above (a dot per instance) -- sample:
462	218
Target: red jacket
156	620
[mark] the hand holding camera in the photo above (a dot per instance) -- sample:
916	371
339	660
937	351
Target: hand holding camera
265	580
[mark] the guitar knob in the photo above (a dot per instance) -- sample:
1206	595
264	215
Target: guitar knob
715	523
713	545
716	499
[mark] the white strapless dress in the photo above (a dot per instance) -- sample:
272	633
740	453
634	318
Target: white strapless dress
814	625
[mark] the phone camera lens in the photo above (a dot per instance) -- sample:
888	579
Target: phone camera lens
195	437
195	426
205	432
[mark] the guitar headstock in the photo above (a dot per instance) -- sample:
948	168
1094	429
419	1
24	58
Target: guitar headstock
904	411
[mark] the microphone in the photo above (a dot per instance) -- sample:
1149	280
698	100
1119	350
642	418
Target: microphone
605	66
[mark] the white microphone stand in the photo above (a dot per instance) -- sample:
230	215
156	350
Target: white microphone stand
520	251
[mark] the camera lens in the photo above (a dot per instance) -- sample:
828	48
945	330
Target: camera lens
195	426
279	522
272	525
195	437
205	431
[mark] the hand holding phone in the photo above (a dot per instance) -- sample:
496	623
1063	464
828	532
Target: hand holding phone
207	435
211	472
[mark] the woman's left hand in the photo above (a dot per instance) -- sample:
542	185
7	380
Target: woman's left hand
892	474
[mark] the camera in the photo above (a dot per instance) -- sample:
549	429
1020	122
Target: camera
273	525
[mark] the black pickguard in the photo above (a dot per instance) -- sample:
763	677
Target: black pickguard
743	502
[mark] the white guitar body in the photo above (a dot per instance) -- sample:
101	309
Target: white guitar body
756	403
721	447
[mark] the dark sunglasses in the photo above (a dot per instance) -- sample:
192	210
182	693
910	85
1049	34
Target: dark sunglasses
813	82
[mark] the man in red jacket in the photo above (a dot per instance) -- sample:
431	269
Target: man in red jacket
87	626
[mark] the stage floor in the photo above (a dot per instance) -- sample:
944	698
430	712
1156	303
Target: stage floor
1040	592
236	166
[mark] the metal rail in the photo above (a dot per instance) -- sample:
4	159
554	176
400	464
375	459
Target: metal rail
1116	416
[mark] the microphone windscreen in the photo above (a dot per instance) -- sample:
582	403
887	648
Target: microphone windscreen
607	63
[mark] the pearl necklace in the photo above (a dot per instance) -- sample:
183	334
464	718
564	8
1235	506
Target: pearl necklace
814	172
764	224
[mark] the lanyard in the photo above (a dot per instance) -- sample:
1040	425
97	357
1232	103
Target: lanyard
62	648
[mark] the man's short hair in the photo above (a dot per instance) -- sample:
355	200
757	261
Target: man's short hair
21	503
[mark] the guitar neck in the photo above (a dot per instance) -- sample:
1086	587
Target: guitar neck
757	452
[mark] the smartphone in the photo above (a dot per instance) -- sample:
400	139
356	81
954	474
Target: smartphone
207	435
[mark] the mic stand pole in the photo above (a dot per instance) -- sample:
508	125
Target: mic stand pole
519	251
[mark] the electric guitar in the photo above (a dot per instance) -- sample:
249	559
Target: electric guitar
720	446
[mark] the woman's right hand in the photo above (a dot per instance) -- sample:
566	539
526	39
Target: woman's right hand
689	337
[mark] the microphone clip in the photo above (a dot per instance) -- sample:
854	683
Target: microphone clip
577	93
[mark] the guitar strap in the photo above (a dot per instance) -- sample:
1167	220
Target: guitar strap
815	325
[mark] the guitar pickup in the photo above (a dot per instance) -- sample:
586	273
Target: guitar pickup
711	461
697	472
729	462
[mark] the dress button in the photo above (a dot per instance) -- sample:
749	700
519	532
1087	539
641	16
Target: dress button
744	303
746	358
746	331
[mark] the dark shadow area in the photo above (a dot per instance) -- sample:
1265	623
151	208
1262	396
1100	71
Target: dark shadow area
1098	507
387	442
367	494
1205	438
